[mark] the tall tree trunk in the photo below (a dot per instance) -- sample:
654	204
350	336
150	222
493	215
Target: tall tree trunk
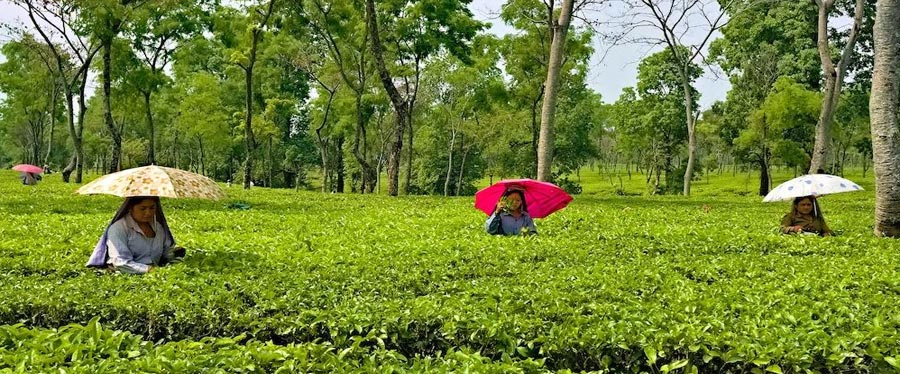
175	149
450	161
398	102
116	154
409	153
54	100
883	108
535	130
202	158
548	110
409	123
692	138
369	173
249	139
323	145
462	167
151	156
271	165
79	145
339	172
764	179
764	176
834	77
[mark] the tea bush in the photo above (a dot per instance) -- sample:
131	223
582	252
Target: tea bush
611	284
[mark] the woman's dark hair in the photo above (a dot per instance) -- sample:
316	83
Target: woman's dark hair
135	200
521	196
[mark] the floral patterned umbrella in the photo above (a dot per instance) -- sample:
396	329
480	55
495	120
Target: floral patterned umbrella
154	181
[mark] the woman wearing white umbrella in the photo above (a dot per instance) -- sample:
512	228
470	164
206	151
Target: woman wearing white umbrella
805	218
805	215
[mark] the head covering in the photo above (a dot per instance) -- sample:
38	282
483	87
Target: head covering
99	256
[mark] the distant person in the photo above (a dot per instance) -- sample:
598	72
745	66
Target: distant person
805	217
29	179
138	240
510	216
47	169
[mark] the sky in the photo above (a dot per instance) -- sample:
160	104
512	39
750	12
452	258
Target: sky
611	69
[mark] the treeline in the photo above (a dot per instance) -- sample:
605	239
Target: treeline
352	91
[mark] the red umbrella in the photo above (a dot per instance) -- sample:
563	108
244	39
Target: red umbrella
542	198
26	168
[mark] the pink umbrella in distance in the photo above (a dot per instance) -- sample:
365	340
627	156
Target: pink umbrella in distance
26	168
542	198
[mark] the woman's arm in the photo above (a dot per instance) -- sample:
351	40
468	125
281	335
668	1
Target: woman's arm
494	225
786	227
120	254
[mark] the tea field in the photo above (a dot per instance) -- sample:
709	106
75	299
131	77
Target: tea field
284	281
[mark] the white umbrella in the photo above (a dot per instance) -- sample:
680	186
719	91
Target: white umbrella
811	185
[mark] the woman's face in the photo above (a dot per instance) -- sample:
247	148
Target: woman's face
144	211
805	206
514	201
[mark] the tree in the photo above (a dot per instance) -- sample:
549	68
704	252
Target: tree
834	77
781	128
548	110
107	21
63	19
31	104
883	109
652	118
526	59
674	21
259	19
450	25
762	41
574	146
342	28
457	97
156	33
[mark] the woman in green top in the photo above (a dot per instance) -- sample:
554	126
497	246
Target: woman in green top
805	218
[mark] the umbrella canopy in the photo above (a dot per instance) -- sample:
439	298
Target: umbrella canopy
811	185
26	168
154	181
542	198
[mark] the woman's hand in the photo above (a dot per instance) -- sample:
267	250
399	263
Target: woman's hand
498	209
798	228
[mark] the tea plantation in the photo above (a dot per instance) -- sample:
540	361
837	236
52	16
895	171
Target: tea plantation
294	281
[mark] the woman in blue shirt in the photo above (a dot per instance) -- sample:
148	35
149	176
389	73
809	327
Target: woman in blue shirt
512	217
137	240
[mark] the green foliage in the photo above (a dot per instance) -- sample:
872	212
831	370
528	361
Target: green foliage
343	283
784	33
32	102
91	348
650	123
783	127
